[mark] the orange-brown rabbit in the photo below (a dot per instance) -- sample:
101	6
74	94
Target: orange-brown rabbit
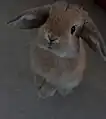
57	54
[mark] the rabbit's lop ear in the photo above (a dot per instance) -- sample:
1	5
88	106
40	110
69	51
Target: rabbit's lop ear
32	18
93	38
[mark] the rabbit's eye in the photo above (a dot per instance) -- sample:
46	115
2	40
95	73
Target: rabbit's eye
73	29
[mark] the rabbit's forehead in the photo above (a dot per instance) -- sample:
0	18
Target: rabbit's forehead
60	21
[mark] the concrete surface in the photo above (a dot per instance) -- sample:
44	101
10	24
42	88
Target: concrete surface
17	94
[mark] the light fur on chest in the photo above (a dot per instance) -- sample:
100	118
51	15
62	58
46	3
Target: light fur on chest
55	69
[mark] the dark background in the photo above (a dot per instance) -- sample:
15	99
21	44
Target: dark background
18	98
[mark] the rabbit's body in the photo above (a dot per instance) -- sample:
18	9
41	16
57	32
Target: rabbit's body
63	73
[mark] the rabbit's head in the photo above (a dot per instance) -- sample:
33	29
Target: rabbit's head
60	27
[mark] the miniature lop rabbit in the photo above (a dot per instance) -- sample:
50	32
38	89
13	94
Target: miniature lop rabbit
58	56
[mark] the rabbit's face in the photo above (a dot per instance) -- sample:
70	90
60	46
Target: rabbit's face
59	33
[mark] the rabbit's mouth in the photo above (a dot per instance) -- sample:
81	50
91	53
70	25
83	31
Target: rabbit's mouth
50	44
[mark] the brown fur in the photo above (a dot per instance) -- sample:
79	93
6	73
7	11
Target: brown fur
59	21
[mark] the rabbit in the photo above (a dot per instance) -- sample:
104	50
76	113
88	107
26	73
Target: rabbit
58	55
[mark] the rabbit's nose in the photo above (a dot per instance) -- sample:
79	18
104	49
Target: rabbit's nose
50	43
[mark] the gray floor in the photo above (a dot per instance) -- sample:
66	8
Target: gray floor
17	94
